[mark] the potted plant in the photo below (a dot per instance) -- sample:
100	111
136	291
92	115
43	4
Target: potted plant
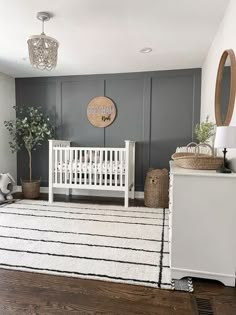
28	131
204	131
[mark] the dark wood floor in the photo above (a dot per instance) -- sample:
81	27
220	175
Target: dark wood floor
24	293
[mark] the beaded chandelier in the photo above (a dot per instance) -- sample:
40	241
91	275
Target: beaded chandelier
43	49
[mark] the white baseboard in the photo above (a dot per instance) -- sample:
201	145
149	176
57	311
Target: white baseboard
87	192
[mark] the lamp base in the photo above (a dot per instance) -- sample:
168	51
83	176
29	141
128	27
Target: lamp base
224	170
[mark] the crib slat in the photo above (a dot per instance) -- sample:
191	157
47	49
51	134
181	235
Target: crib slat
66	165
75	166
63	162
106	168
101	160
111	161
95	167
86	157
79	160
71	161
61	166
116	167
90	166
56	165
121	168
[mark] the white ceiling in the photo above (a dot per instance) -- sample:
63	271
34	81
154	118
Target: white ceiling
105	36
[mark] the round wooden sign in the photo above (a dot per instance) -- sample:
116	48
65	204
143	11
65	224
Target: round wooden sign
101	111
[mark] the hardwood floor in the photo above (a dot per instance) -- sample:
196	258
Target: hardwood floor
24	293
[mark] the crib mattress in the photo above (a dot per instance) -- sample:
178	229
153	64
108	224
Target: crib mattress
77	167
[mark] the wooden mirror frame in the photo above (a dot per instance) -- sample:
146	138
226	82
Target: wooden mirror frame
219	122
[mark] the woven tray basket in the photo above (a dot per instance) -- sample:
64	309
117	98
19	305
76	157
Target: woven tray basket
156	188
198	161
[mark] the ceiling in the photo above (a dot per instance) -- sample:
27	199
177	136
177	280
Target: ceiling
105	36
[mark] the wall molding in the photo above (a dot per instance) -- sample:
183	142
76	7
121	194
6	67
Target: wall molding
143	102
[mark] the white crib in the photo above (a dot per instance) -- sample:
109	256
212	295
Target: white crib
92	168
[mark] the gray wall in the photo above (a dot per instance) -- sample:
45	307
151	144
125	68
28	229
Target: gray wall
156	109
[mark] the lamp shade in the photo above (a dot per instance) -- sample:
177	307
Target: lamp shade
225	137
43	49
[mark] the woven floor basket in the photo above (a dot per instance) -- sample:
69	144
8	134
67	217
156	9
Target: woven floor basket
30	189
156	188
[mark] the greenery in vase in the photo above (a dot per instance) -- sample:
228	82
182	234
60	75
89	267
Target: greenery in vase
29	130
204	131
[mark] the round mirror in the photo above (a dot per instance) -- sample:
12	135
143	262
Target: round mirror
225	88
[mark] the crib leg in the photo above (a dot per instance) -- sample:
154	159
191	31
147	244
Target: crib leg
68	191
50	194
132	192
126	198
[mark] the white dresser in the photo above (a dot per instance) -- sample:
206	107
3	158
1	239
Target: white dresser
202	224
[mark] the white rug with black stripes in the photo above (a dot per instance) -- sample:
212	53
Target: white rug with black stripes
110	243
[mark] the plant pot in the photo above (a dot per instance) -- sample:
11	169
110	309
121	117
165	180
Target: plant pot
30	189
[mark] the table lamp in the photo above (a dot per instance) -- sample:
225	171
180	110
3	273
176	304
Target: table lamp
225	138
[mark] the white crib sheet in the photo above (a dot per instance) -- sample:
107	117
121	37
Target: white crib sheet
109	167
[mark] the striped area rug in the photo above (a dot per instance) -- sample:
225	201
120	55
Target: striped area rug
128	245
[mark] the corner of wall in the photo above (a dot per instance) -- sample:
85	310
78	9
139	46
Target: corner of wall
223	39
7	101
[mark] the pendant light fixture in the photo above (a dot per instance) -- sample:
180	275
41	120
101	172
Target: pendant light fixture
43	49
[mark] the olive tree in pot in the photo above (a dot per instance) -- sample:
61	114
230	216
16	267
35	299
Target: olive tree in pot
30	128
